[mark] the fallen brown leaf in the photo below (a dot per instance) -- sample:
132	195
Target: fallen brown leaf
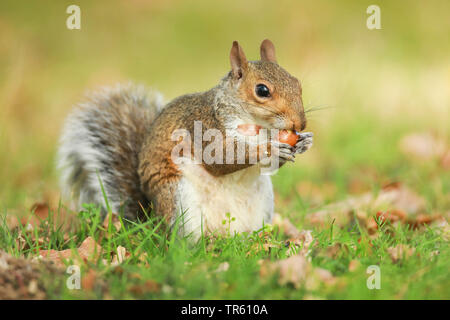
58	257
391	216
112	218
285	226
425	219
443	228
149	286
303	240
318	277
121	255
336	249
292	270
88	280
143	258
265	243
354	265
223	267
445	160
21	243
88	250
394	203
297	271
40	210
424	146
400	252
434	253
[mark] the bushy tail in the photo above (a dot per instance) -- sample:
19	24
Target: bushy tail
101	141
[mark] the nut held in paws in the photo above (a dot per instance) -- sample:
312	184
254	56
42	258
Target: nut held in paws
288	136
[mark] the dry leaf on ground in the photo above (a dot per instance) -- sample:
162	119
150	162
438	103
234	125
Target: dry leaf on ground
445	160
121	255
319	276
285	226
40	210
297	271
297	239
443	228
149	286
143	258
399	252
395	217
112	218
395	204
304	241
27	218
223	267
264	243
62	219
333	251
424	146
88	250
354	265
88	280
292	270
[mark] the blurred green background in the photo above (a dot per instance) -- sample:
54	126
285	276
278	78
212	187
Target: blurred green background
374	85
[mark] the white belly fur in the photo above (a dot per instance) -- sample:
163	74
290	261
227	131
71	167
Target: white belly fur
245	194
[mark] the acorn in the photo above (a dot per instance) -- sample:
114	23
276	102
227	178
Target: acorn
285	136
288	136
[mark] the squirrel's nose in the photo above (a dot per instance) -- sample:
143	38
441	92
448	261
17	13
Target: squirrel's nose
297	122
296	125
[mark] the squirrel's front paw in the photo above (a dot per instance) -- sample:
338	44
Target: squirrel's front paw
305	142
284	151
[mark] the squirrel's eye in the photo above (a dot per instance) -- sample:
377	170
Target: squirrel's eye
262	90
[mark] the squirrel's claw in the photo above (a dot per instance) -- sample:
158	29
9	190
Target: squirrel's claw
304	145
304	135
285	151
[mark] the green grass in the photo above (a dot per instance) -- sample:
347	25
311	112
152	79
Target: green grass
188	271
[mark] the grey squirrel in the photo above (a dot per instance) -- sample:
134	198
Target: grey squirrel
121	139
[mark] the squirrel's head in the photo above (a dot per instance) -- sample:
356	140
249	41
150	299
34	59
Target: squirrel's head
269	93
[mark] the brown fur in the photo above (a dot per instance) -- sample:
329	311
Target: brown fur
285	97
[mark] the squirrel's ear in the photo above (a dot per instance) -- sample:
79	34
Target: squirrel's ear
267	51
238	60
